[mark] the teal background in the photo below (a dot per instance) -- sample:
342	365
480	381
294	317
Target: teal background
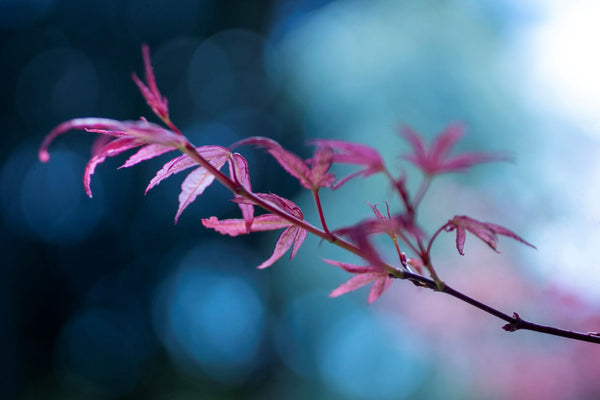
107	298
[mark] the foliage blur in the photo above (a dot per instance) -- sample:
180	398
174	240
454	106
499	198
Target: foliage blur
106	298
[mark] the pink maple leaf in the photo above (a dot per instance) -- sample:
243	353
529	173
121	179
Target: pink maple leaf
392	225
435	159
122	136
157	103
184	161
285	205
312	173
293	236
145	153
364	276
485	231
293	164
112	148
355	154
235	227
196	181
319	174
378	213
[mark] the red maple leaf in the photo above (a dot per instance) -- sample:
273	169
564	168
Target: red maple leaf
364	276
485	231
293	236
435	159
312	173
123	135
355	154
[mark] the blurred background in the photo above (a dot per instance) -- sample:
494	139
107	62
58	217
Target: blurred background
107	298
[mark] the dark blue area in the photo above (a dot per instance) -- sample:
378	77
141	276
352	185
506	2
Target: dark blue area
79	276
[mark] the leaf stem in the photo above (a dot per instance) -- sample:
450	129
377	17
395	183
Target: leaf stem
421	191
315	193
171	125
433	237
395	240
401	189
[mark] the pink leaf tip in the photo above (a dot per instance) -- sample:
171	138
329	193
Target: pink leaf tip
44	156
157	103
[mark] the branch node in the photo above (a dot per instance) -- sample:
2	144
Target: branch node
440	285
396	274
514	325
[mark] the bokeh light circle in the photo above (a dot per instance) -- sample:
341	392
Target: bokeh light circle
211	319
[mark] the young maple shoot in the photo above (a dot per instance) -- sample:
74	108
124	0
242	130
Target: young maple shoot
313	174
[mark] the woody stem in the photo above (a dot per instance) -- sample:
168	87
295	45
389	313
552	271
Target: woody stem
514	323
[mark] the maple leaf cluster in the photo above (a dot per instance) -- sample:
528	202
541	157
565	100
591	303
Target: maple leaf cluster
313	174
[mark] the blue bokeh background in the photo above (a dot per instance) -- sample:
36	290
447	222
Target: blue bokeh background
107	298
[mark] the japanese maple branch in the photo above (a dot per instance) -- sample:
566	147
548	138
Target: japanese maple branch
513	323
432	160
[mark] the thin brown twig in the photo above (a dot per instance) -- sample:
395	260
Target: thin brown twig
514	323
